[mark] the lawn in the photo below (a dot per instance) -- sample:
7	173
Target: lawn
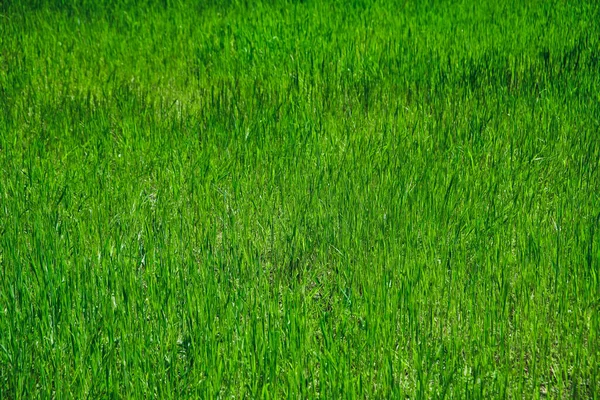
286	199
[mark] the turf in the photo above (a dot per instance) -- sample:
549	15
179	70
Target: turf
333	199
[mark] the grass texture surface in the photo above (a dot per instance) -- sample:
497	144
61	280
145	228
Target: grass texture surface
321	199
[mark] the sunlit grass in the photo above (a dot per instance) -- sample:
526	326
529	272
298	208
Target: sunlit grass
299	200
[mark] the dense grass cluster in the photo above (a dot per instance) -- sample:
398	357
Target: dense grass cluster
371	199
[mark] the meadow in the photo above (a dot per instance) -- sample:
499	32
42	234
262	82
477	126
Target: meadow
286	199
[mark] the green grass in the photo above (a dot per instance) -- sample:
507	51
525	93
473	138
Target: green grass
300	200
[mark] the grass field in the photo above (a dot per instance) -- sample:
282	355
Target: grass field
338	199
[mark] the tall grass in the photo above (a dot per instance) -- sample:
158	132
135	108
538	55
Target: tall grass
299	199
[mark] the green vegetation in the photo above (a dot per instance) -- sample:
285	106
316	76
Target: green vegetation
300	200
